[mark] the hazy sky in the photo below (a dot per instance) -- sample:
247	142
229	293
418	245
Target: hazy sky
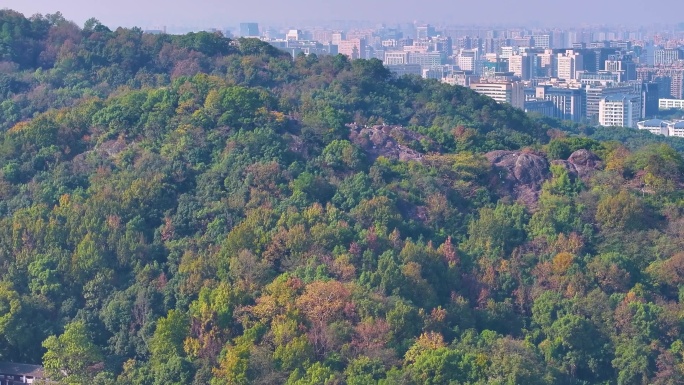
227	13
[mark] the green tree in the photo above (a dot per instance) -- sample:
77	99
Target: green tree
71	357
497	231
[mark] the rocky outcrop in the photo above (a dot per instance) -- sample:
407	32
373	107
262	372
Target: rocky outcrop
394	142
581	163
105	150
519	174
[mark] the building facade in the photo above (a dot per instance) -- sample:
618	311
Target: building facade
503	92
621	110
568	64
396	57
352	48
568	102
666	104
249	29
520	65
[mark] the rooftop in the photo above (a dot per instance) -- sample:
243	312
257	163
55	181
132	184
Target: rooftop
619	97
12	368
654	123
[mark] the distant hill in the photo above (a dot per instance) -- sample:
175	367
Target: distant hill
193	209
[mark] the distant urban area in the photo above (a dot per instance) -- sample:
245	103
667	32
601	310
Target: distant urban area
598	76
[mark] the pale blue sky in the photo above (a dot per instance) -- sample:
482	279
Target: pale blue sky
221	13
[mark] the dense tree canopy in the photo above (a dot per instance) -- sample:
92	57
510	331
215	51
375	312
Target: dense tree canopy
199	210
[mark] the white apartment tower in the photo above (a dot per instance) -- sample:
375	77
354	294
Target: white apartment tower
620	110
520	65
503	92
568	64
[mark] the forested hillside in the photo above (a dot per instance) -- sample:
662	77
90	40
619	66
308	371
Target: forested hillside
198	210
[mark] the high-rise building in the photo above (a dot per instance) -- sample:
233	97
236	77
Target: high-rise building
322	35
666	56
353	48
427	59
507	51
424	32
666	104
521	65
559	40
468	60
594	59
622	110
405	69
249	29
546	64
568	102
503	92
568	64
337	37
623	66
542	41
294	34
664	86
396	57
677	84
521	41
649	98
542	107
594	95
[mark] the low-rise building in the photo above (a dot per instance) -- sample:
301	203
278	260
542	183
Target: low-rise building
15	374
676	129
663	127
666	104
654	126
405	69
542	107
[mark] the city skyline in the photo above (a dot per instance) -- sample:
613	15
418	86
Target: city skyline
205	13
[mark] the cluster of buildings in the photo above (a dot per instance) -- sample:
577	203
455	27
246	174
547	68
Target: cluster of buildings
593	76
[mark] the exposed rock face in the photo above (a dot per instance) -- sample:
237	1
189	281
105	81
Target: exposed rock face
387	141
106	150
581	163
586	162
520	175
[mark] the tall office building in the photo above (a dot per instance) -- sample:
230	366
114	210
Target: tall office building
542	41
427	59
623	66
503	92
594	60
521	65
621	110
546	64
337	37
396	58
469	60
594	95
568	102
677	84
568	64
649	100
424	32
249	30
353	48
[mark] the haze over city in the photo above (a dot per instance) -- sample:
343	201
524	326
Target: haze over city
218	13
